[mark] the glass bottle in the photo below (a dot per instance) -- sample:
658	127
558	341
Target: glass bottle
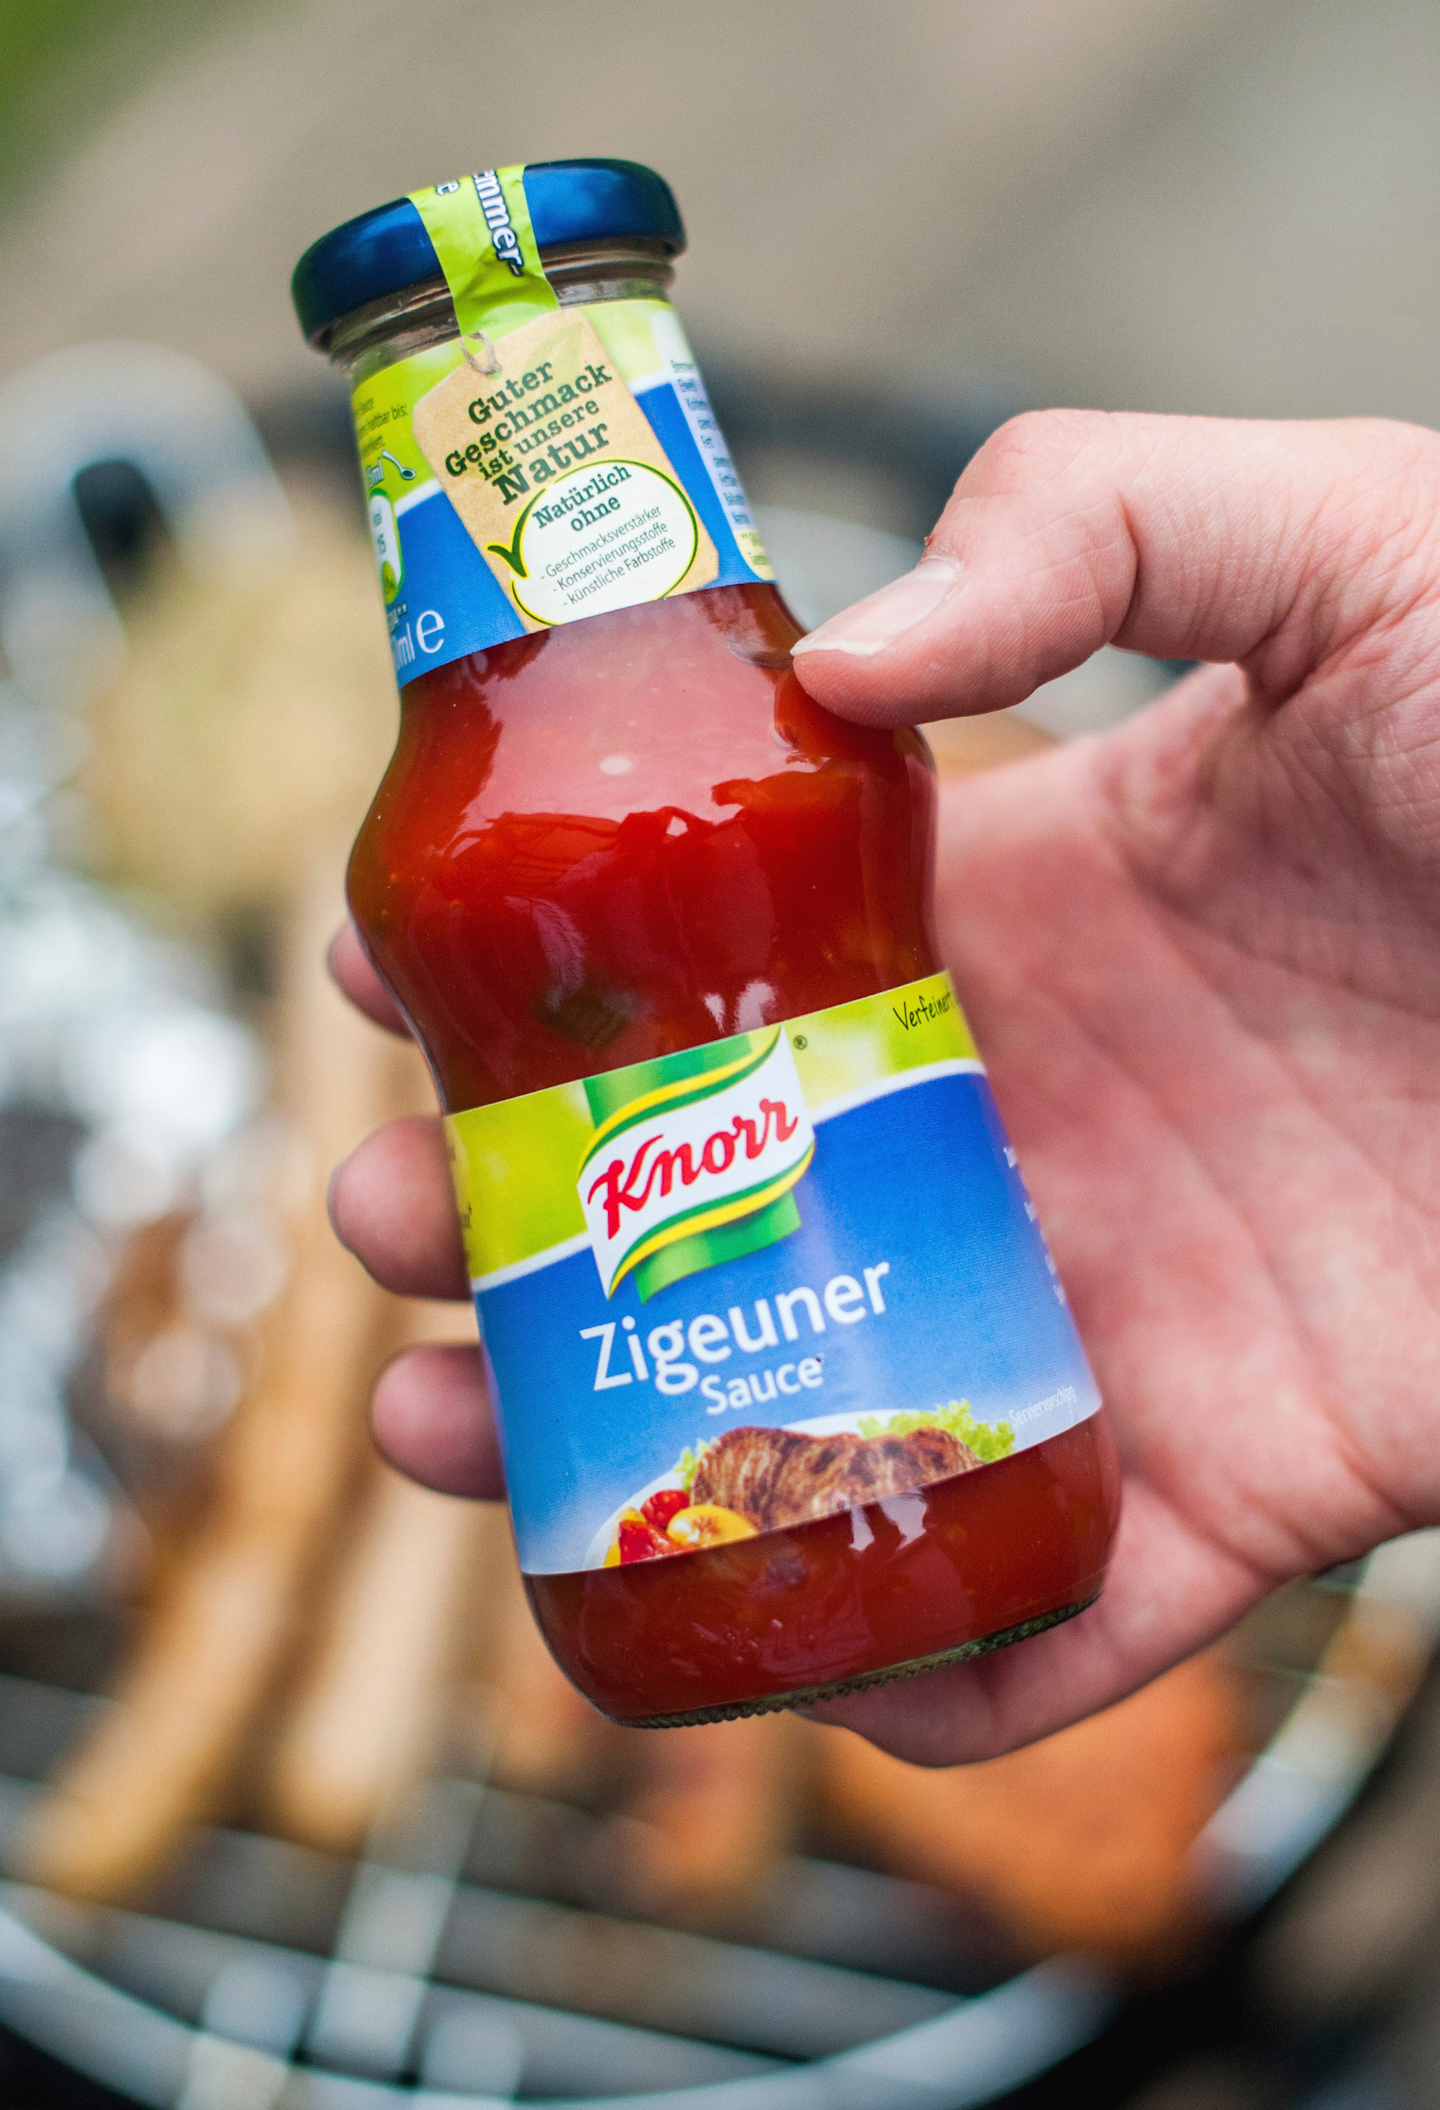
620	873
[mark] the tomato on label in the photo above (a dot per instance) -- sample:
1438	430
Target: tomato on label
664	1505
640	1541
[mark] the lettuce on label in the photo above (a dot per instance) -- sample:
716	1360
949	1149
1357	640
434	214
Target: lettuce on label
988	1440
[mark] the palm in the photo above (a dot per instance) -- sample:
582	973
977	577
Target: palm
1201	957
1223	1091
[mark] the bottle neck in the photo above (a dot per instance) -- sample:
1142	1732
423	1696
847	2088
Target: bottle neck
568	466
580	273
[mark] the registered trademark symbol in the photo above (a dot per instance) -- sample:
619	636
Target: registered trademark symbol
801	1041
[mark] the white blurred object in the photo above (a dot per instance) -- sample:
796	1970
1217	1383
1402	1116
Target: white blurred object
102	1023
105	1024
187	434
175	1073
182	1385
103	1020
824	564
55	1513
234	1264
1328	1744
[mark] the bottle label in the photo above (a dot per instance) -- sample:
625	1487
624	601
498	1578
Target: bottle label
552	462
757	1282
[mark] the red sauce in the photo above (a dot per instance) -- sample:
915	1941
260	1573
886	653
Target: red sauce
936	1573
632	835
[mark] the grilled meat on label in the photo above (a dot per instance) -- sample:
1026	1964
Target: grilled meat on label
776	1477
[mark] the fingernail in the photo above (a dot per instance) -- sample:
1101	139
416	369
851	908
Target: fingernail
881	617
330	1186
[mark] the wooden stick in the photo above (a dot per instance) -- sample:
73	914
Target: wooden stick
370	1708
209	1650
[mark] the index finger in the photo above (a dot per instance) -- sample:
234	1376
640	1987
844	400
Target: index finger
353	974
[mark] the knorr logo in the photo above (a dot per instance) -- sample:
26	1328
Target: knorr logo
686	1160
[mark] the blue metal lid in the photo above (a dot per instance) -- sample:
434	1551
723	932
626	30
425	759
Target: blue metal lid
388	249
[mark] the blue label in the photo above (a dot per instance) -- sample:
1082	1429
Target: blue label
449	602
912	1303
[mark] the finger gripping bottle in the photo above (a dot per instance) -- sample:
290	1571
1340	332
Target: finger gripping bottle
789	1395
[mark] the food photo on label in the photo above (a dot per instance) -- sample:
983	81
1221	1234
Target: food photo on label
789	1394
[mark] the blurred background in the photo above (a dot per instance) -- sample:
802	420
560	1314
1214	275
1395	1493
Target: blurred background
294	1809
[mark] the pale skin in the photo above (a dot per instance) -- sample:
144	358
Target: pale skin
1202	958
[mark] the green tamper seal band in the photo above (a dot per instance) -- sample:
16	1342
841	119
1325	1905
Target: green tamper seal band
482	234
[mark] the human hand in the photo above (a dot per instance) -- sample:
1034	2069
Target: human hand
1200	958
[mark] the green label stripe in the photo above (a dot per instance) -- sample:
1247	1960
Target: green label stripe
686	1092
481	230
709	1216
516	1163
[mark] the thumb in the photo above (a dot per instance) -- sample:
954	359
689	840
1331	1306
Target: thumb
1275	545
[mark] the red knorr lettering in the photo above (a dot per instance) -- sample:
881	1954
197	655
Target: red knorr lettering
621	1186
754	1143
618	1182
784	1127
